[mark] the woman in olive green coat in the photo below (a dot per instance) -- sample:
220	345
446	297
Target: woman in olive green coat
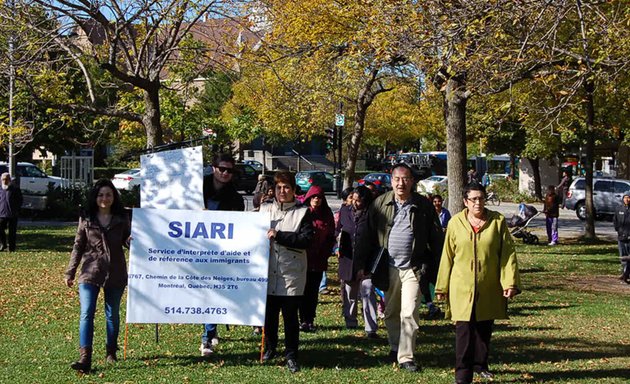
478	274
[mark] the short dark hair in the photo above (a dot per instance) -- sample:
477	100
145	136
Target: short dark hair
346	192
285	177
92	208
436	196
223	157
474	186
405	166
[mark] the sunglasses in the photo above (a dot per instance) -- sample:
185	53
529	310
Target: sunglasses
225	169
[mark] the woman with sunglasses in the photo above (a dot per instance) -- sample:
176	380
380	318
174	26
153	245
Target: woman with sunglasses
478	274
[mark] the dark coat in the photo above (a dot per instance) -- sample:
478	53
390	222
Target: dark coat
10	201
621	220
323	241
101	252
374	234
227	197
552	205
347	228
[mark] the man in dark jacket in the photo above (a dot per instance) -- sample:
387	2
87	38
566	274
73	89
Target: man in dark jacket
219	194
621	221
405	225
10	203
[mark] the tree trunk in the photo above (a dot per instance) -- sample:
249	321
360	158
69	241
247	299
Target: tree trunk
537	184
151	116
455	100
512	174
355	142
589	228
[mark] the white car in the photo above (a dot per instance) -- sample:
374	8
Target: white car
431	183
127	180
33	181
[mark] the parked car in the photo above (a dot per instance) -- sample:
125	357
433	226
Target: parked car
34	184
383	181
128	179
607	195
245	177
33	181
432	183
254	163
305	179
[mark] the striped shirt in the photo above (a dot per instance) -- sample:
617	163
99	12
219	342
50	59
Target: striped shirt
401	237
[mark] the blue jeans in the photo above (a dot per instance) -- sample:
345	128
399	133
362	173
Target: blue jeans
209	332
88	293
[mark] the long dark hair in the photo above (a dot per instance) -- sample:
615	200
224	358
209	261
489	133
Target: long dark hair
364	194
92	208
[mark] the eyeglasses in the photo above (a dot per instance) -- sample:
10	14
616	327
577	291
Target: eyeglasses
225	169
477	200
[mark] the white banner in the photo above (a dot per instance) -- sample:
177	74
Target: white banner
172	179
198	267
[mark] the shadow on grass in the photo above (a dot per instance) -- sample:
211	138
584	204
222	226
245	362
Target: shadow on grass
42	241
573	251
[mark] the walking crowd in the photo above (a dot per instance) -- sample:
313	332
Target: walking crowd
393	250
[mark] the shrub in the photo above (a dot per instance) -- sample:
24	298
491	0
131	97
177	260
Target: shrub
508	191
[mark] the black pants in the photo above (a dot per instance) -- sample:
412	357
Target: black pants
308	304
11	222
472	342
289	307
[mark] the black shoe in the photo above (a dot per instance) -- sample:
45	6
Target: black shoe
269	354
293	365
487	375
409	366
372	335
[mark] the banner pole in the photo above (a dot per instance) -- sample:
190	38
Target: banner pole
126	336
262	345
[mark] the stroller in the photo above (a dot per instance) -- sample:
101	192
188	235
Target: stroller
519	222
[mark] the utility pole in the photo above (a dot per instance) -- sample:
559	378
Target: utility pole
339	122
11	91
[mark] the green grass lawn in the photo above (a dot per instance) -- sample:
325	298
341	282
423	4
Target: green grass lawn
571	324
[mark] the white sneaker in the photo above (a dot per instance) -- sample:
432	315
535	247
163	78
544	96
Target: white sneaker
206	349
553	243
215	341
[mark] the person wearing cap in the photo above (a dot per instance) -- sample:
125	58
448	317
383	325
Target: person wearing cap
10	203
621	221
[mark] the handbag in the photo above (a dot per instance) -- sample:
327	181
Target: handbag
379	269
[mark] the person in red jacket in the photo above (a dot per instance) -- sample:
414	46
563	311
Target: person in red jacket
317	254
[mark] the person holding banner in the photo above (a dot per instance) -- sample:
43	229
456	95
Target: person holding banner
290	234
317	254
98	245
219	194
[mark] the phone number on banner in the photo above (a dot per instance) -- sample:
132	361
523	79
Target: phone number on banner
196	310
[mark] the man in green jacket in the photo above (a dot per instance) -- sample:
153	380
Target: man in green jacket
399	241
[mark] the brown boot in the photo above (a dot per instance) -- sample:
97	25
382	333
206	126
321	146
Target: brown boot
111	354
85	360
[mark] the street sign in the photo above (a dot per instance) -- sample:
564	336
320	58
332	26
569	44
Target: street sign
340	119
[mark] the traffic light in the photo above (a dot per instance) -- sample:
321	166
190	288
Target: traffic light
331	143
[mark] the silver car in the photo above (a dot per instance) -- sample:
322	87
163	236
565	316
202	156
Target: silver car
607	195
